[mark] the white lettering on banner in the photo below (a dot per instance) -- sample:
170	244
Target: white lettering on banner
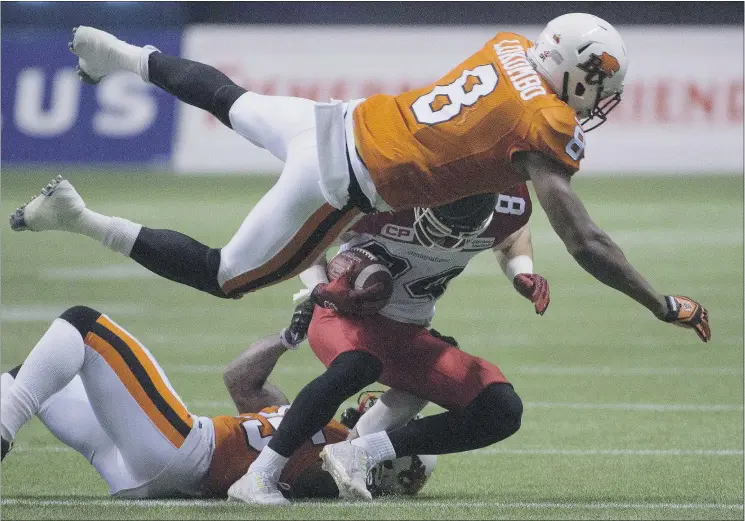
127	108
524	78
30	116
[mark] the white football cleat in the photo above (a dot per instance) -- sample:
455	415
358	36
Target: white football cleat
101	53
348	464
57	207
259	487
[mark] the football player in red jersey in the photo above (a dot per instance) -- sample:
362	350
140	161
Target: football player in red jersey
424	249
513	111
101	392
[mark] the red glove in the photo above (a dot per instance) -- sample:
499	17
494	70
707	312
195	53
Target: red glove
534	288
341	296
686	312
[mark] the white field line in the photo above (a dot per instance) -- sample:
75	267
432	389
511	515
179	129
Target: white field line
525	369
654	407
47	313
658	237
626	371
422	503
507	451
610	452
106	272
642	407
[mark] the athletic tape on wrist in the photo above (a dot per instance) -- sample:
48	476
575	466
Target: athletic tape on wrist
518	265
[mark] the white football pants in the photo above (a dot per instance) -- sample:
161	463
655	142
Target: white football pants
120	412
293	223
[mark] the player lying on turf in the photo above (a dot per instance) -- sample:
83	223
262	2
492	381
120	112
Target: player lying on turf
424	250
506	114
101	392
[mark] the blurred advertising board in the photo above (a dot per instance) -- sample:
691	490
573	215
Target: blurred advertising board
682	110
49	116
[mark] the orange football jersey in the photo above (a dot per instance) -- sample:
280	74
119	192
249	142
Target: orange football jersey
455	137
239	439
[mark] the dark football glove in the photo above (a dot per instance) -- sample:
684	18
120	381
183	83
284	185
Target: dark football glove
686	312
341	296
296	332
534	288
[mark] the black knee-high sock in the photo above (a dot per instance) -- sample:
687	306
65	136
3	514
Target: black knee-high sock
179	258
318	401
492	416
195	83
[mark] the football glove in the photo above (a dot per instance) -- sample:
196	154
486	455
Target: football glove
534	288
341	296
296	332
686	312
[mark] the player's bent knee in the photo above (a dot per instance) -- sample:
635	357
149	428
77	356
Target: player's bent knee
499	409
356	367
81	318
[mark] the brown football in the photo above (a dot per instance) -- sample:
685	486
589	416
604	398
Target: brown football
366	271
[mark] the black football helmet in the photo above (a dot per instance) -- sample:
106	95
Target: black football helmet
449	226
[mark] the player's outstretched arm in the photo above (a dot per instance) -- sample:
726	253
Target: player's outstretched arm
246	376
515	257
595	251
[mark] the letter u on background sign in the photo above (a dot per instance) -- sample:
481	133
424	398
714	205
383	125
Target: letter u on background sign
48	115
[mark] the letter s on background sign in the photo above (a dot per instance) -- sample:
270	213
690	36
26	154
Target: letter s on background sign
48	115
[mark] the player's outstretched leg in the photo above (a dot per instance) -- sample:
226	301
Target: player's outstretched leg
270	122
167	253
100	53
57	207
291	225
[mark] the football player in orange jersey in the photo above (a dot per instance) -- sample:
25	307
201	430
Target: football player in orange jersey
508	113
101	392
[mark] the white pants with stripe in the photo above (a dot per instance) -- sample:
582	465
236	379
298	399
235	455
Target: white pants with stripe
301	215
112	412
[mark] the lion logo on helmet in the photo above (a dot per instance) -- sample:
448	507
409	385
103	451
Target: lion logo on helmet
599	67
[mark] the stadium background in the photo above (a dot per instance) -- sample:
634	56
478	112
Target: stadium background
625	417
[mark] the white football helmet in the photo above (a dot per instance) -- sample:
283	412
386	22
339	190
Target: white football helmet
401	476
583	59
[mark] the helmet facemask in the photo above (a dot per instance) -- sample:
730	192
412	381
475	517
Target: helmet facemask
449	227
601	110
